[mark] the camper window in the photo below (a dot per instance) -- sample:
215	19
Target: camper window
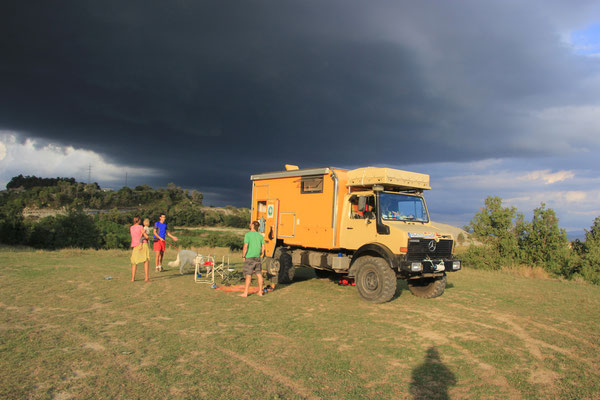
312	184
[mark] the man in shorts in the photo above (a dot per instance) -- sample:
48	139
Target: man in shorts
254	248
160	233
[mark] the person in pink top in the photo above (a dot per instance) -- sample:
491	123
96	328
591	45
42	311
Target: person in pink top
140	252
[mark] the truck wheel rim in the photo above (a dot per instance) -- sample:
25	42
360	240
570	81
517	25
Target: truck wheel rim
371	281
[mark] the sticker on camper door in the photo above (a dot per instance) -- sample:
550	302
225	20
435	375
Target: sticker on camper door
270	211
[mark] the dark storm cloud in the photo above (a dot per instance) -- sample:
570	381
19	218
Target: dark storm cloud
225	89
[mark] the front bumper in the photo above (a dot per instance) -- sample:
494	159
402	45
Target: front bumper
429	266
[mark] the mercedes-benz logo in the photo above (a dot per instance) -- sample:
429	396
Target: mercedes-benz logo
431	245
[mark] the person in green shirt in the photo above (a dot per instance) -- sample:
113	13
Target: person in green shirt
254	249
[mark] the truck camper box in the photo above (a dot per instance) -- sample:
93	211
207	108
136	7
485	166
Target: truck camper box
298	207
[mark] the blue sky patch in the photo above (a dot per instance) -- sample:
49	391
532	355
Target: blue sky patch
587	41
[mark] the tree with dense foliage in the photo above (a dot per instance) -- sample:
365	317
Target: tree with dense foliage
589	267
75	229
544	243
28	182
493	226
12	226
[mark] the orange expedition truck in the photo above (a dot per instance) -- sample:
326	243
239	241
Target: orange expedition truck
370	224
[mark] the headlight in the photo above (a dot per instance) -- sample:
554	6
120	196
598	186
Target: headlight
416	266
455	265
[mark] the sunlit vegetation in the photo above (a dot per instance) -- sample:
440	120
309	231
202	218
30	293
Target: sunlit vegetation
506	240
84	216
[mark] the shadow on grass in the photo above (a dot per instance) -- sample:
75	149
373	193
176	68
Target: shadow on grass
400	287
304	274
432	379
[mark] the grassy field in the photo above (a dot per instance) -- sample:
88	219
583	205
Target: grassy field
67	332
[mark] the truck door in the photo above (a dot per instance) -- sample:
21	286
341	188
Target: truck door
358	226
271	222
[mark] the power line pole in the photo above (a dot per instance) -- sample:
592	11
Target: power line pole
90	173
125	178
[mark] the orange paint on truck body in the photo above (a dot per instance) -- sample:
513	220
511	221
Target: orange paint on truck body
300	207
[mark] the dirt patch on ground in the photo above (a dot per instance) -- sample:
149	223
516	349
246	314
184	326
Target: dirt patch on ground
273	374
63	396
94	346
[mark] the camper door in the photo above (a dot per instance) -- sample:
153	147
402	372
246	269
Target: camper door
271	223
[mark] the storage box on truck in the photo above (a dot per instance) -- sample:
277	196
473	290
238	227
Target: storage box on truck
371	224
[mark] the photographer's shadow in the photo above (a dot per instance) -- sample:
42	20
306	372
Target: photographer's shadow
432	379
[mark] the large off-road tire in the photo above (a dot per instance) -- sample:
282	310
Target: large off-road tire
280	268
427	288
375	280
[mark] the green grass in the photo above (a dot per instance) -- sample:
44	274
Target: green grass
67	332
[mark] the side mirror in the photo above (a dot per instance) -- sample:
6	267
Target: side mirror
382	229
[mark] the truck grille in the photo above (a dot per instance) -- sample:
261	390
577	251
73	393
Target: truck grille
420	249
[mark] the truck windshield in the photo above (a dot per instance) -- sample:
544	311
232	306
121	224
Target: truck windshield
402	207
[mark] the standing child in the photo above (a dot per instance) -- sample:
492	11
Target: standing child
147	230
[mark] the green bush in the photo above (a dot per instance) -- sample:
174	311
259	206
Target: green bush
200	238
42	234
544	243
237	221
508	239
589	255
76	229
12	226
113	235
494	226
481	257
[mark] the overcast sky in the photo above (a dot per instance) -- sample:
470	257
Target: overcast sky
489	97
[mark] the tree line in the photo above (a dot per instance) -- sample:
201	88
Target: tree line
507	239
31	191
504	237
113	211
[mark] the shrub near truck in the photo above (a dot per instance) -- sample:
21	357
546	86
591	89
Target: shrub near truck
371	224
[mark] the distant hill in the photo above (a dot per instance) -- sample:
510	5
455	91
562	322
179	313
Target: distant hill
455	231
572	235
36	198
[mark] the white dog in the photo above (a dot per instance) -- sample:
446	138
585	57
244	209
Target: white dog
184	257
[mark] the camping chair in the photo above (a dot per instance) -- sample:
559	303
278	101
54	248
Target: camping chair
204	264
222	269
208	264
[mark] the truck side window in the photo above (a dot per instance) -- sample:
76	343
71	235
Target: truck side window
354	213
369	210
